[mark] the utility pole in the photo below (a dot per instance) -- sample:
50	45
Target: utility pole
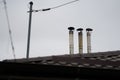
29	29
30	21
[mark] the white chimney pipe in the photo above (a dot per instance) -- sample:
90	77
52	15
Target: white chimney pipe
88	30
71	40
80	40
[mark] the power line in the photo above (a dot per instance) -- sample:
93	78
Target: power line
64	4
55	6
9	28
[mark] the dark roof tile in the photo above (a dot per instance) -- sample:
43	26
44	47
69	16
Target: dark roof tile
103	60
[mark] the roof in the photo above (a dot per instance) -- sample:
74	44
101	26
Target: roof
99	60
23	71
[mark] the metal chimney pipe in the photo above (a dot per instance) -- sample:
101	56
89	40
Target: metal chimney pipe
88	30
80	40
71	40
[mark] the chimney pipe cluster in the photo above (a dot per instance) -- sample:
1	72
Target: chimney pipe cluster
80	40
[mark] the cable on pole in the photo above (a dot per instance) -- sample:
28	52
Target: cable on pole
55	6
64	4
10	31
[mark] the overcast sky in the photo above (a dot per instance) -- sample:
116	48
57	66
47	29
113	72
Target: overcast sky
49	35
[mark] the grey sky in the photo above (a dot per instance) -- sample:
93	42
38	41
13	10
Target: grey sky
49	29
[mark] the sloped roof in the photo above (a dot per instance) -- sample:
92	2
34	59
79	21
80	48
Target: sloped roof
100	60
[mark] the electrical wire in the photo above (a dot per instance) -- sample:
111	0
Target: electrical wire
10	31
64	4
55	6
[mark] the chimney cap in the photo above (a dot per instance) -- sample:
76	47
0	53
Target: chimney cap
71	28
80	29
89	29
